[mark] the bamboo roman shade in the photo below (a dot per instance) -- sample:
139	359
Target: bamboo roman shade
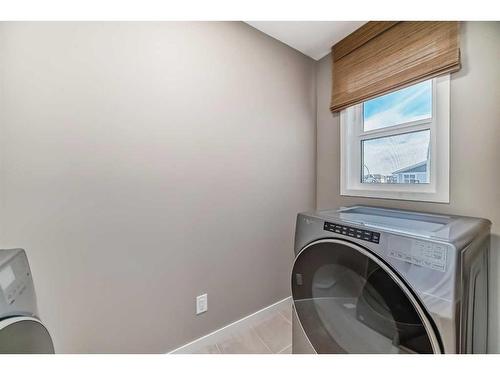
384	56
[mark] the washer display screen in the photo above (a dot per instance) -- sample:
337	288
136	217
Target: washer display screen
7	277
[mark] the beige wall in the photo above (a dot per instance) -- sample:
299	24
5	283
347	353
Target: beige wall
145	163
475	146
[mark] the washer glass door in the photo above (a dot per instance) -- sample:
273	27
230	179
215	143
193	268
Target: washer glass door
348	301
24	335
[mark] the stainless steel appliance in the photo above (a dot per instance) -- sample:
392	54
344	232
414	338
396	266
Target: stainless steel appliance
374	280
21	331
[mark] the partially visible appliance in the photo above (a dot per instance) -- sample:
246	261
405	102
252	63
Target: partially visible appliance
374	280
21	331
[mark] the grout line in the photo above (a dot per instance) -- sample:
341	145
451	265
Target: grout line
228	326
261	340
281	351
219	349
286	318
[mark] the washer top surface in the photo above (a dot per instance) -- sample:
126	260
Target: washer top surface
448	228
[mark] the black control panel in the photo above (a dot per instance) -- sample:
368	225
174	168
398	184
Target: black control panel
366	235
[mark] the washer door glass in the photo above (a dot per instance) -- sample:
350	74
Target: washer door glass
24	335
348	301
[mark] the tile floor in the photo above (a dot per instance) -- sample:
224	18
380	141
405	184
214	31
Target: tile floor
267	332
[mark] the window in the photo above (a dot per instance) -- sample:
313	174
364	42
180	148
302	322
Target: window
396	146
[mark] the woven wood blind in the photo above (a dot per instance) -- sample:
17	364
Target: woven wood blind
381	57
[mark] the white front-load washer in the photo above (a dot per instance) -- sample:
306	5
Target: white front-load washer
21	331
373	280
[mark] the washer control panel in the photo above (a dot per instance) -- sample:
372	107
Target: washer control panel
14	278
365	235
422	253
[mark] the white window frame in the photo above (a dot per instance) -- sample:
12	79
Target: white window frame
352	135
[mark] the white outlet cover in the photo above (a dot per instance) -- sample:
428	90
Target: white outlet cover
201	304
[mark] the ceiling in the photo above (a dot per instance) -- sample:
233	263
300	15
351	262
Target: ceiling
312	38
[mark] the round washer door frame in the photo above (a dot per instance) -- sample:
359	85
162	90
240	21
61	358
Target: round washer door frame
44	344
429	328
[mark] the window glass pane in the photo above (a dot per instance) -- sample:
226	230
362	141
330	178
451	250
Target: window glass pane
409	104
397	159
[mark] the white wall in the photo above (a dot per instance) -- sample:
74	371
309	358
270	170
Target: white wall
475	147
142	164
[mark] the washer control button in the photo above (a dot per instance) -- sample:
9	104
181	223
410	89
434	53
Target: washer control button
345	230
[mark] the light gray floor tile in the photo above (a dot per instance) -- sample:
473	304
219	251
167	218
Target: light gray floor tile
268	331
275	331
243	342
287	350
207	349
286	311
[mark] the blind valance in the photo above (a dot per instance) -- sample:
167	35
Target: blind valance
381	57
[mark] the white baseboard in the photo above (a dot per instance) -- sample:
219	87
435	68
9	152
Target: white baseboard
216	335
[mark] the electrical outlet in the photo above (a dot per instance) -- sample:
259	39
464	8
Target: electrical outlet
201	304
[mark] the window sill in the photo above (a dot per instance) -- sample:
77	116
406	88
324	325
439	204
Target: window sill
398	195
